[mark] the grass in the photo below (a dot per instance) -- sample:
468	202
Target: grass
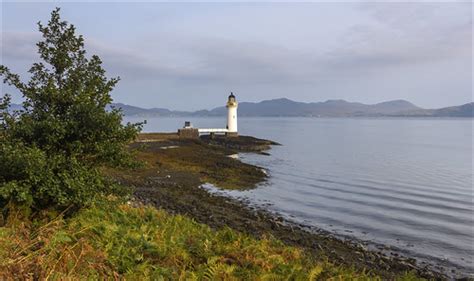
119	241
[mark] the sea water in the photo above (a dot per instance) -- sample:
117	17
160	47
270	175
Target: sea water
402	182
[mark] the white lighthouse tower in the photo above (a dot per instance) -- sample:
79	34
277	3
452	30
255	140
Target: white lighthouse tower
231	130
232	115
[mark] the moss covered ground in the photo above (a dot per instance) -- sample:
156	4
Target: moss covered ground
165	154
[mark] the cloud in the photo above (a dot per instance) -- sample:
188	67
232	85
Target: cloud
19	45
405	34
19	49
416	32
359	44
205	60
397	34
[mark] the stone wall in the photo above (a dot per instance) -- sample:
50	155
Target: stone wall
188	133
232	134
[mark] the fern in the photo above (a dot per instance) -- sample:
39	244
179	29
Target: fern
315	272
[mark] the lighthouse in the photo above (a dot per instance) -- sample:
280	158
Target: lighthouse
189	132
232	115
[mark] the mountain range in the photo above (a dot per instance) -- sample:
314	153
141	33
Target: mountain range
330	108
289	108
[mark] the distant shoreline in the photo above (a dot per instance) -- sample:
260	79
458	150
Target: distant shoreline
313	117
288	108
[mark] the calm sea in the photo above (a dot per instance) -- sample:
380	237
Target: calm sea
407	183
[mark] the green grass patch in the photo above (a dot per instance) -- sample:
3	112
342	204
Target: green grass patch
113	240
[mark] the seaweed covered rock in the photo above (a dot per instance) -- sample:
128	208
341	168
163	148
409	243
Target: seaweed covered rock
239	143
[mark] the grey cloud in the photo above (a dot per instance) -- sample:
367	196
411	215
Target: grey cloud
209	60
404	38
383	39
125	62
256	62
19	49
19	45
403	34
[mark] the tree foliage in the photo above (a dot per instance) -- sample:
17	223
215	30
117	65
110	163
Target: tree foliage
52	149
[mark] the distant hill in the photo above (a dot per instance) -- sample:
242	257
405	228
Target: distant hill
130	110
330	108
465	110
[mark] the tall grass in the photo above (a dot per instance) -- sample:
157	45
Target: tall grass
112	240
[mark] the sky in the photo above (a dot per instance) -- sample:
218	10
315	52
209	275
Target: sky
189	56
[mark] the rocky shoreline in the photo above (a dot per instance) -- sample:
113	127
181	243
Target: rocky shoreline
165	182
241	143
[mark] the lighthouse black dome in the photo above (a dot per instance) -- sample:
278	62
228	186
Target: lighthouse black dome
231	95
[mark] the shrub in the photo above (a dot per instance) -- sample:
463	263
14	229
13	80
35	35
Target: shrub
52	149
30	177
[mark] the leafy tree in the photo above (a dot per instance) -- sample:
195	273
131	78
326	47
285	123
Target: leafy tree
52	149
